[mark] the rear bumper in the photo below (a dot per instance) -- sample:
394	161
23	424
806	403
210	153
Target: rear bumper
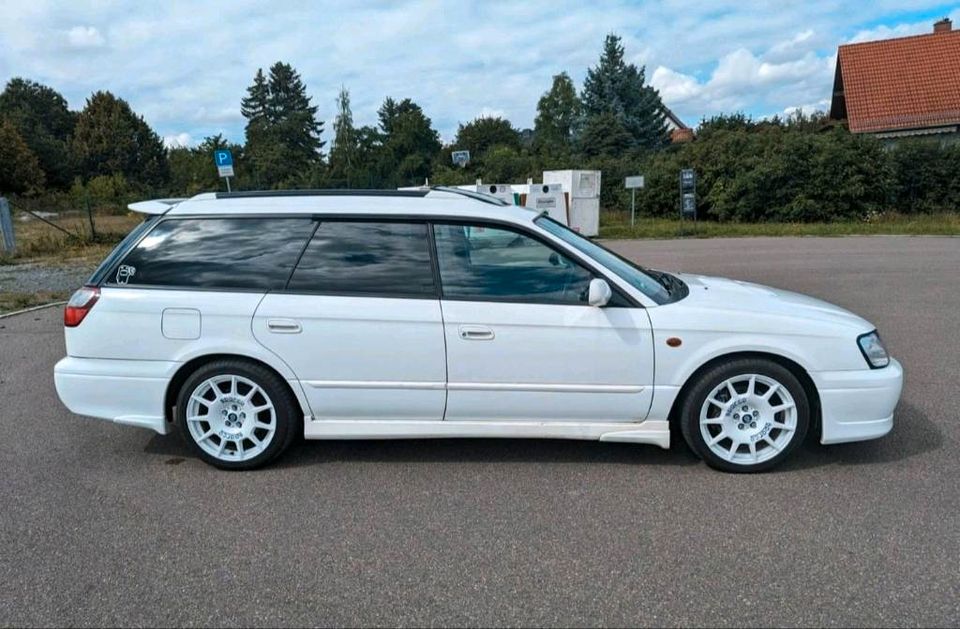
858	405
129	392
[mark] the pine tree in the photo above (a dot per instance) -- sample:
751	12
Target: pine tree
343	153
558	115
617	88
283	133
254	105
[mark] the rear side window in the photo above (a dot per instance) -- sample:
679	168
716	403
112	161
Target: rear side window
366	258
111	260
231	253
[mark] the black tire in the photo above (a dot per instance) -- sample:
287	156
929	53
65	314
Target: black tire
696	397
287	413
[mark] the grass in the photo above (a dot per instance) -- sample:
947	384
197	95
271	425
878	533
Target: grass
39	242
617	225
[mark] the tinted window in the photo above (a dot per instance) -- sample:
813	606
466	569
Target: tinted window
501	264
111	260
366	258
249	253
637	276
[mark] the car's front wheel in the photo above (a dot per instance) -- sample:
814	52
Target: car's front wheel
747	415
236	415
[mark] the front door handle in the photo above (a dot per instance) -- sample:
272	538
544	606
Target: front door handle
475	333
284	326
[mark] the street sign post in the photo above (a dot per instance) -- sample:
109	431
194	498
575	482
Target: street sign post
461	158
688	196
223	158
6	226
632	183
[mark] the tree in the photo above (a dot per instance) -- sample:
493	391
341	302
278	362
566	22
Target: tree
408	143
41	117
482	133
192	170
110	138
616	88
283	132
19	168
343	153
605	134
558	115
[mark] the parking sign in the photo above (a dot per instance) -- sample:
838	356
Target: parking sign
224	161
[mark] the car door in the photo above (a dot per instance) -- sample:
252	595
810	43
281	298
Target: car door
522	342
359	323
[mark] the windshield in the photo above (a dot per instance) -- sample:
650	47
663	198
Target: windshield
644	280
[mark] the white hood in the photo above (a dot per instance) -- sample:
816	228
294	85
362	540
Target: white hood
721	294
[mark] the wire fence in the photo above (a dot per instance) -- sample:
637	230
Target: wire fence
32	227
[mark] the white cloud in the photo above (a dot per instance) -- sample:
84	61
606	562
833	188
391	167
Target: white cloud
675	87
85	37
886	31
491	112
808	108
179	140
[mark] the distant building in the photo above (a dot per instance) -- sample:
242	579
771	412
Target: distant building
894	88
679	132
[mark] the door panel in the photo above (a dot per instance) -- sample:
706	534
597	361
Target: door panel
547	362
360	357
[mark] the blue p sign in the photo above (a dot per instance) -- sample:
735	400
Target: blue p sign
224	161
223	157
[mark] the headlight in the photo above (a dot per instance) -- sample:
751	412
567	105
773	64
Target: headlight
873	350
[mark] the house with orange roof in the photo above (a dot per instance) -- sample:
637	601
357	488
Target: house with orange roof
907	86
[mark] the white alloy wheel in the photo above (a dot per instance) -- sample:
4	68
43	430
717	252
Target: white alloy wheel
748	419
231	418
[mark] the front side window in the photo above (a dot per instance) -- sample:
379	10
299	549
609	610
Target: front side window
367	258
499	264
215	253
638	277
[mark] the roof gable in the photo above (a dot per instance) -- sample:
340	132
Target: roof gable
904	83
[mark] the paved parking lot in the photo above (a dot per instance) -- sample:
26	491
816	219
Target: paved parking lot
107	525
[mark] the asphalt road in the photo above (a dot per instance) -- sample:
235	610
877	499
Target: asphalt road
109	525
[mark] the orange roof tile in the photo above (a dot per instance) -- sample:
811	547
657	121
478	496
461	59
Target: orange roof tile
904	83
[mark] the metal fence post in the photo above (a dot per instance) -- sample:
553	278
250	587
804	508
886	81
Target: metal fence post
6	226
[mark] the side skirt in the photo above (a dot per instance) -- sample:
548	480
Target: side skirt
654	432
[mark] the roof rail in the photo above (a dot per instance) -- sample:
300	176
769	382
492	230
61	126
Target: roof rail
476	196
246	194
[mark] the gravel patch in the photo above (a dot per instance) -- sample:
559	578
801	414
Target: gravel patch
34	277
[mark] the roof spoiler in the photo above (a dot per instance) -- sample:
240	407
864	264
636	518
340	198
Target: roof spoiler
155	206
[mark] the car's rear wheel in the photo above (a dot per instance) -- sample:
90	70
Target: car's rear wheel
236	415
747	415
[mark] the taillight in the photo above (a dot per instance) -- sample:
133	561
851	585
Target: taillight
79	305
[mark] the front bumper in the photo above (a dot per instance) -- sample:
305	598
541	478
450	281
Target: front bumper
129	392
858	405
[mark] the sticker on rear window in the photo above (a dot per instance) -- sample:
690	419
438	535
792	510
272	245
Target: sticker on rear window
125	272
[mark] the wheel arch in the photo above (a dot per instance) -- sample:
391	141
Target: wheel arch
186	369
813	396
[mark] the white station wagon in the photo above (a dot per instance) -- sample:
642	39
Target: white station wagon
249	318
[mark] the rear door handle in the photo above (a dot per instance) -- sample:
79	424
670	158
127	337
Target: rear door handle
475	333
284	326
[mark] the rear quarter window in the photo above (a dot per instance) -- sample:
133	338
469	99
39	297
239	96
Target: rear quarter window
215	253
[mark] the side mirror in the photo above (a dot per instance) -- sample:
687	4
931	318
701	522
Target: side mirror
600	293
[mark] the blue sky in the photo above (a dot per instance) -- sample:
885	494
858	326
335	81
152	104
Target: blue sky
185	65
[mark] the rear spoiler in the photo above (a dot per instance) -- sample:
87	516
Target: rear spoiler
156	206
